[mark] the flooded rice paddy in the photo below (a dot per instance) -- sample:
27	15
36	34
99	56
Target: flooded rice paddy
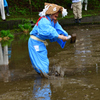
78	63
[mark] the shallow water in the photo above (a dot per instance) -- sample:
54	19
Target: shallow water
79	62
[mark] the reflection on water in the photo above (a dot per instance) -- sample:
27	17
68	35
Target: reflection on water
79	62
80	88
5	54
41	90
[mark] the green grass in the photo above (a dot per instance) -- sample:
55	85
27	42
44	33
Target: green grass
34	16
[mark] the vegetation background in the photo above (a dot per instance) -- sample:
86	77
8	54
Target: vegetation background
22	9
23	6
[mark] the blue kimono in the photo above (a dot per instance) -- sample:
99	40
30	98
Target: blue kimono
5	3
44	29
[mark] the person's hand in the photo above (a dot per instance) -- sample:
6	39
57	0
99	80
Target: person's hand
64	38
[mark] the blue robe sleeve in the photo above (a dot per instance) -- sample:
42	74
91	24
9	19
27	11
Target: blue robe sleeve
60	30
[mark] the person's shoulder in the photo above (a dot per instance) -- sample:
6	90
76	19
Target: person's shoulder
44	20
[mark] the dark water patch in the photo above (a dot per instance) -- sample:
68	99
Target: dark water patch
12	24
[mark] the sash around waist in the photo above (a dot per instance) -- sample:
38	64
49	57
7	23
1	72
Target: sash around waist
35	38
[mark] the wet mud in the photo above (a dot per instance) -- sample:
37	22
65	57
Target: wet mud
77	69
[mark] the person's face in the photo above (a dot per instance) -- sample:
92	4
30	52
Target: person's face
54	16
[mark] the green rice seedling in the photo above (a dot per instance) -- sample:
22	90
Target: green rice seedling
26	28
6	34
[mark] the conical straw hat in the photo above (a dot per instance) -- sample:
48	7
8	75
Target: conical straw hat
51	8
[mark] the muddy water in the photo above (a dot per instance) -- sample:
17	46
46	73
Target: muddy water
79	63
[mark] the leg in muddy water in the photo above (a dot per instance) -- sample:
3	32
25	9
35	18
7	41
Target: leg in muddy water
44	75
57	71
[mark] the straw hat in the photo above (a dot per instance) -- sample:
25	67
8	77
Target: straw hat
51	8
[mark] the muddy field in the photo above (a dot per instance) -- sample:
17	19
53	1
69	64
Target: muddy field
78	64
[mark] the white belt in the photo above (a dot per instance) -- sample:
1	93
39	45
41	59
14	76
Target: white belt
35	38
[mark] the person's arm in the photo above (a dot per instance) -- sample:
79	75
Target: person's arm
60	30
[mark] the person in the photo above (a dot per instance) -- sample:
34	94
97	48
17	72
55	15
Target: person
6	7
86	3
2	10
47	27
77	10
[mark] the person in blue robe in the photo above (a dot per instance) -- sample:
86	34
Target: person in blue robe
6	7
47	27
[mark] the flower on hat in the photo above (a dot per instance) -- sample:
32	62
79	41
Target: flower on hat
43	13
64	12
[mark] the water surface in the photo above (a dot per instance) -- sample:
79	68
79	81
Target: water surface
79	62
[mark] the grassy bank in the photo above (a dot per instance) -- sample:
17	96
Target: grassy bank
34	16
